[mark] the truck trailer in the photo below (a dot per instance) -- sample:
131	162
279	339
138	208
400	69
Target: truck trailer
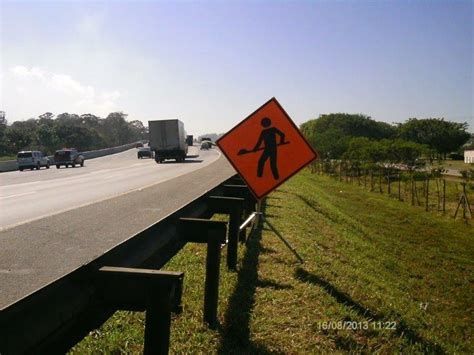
168	140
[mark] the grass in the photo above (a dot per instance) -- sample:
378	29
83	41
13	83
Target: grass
8	157
369	259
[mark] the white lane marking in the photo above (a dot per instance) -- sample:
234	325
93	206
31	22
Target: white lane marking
112	176
219	154
17	195
98	171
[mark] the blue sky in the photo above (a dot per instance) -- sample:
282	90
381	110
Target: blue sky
213	63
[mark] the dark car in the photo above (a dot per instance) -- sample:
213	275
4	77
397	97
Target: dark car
144	152
68	156
206	145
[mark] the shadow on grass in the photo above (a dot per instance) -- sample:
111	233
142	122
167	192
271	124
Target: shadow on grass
273	284
315	208
402	329
235	332
270	216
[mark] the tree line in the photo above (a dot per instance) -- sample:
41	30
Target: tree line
358	137
85	132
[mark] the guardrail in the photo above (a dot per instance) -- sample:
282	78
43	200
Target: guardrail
60	314
12	165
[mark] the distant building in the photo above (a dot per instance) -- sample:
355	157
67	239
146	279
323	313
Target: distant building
469	156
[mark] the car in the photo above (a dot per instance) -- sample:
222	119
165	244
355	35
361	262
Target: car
32	159
68	156
206	145
144	152
139	145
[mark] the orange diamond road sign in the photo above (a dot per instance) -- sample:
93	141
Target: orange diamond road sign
266	148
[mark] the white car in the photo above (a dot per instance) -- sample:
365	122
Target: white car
32	159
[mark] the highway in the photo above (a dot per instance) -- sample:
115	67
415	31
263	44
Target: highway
53	221
30	195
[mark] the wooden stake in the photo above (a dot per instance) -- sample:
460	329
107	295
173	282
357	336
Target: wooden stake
427	193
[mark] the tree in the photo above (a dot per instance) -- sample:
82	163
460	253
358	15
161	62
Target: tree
80	137
18	138
356	125
400	151
117	129
46	116
3	136
391	151
442	136
84	132
139	131
330	144
48	138
330	134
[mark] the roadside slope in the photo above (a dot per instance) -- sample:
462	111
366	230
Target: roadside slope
369	261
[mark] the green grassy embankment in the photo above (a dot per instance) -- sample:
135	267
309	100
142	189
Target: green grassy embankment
370	262
7	157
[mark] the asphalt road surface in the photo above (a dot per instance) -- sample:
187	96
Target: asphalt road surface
30	195
54	221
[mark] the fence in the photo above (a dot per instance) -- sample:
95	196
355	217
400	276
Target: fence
430	190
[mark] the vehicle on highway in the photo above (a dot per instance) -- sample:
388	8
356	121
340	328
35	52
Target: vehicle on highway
68	156
206	145
32	159
168	140
189	139
144	152
139	145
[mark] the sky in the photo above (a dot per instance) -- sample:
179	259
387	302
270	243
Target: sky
212	63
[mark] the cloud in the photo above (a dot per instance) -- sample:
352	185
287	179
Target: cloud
25	73
55	92
67	85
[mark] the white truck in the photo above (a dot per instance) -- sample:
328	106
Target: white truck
168	140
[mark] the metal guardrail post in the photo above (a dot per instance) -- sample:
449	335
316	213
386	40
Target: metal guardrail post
156	292
214	234
232	206
239	190
232	248
157	331
211	288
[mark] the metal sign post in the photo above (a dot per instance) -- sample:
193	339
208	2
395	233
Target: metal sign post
266	149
